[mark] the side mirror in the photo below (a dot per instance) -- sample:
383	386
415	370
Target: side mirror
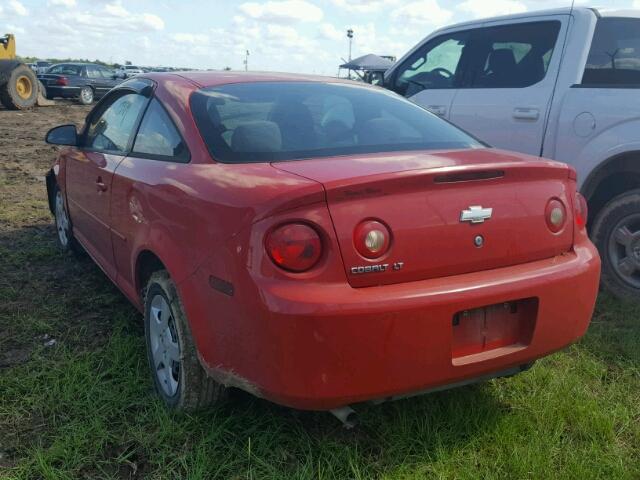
63	135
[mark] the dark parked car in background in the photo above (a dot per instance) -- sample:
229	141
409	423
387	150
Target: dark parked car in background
85	81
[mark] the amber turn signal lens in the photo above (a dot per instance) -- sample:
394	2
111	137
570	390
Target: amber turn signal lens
295	247
556	215
372	239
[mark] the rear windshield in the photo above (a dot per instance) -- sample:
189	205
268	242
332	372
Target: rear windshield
277	121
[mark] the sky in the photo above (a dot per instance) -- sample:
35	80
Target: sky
306	36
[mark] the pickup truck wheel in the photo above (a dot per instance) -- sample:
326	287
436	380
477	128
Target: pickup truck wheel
616	233
177	374
86	96
66	240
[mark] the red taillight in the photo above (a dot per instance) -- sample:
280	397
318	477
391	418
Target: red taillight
556	215
295	247
372	239
64	81
582	210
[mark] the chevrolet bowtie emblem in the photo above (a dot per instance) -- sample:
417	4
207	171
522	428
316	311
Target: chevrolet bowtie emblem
476	214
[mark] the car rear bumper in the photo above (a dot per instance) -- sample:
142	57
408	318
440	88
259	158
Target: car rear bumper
320	347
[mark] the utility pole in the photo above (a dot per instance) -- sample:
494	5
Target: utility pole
246	61
350	37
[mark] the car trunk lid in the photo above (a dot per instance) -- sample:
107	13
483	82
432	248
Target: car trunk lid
422	198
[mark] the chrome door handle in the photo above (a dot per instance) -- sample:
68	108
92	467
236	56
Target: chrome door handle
439	110
526	113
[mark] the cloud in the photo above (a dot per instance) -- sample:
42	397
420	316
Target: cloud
63	3
116	9
286	11
328	31
491	8
190	38
15	29
364	6
17	8
422	13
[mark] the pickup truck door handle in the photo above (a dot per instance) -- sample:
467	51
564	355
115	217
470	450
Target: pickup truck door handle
100	185
526	113
439	110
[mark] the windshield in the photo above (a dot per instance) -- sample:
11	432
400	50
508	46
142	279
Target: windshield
277	121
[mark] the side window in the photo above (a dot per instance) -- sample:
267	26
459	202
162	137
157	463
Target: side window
436	65
158	137
92	72
513	56
111	127
614	58
105	73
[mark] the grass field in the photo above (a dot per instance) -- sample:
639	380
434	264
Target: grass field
76	398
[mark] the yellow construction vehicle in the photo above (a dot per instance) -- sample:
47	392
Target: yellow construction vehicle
19	86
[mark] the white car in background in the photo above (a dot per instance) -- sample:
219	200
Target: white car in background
562	84
127	71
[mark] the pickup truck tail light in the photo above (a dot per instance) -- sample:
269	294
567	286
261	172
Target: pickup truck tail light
581	210
62	81
295	247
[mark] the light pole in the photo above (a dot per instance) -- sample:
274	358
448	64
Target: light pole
246	61
350	37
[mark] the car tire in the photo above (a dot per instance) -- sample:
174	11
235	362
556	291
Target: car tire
66	240
616	233
178	377
86	96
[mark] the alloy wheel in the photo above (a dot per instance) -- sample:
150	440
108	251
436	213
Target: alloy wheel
62	220
624	249
87	95
165	348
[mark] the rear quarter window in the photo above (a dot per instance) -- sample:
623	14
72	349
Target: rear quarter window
614	57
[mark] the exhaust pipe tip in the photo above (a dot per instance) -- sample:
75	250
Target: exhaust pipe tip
347	416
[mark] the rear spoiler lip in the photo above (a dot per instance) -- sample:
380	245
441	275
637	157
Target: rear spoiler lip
350	189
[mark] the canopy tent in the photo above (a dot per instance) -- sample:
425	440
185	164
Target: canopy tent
368	63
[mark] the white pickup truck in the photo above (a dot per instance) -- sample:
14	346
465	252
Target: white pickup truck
562	84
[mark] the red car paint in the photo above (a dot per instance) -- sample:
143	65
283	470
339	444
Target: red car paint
329	337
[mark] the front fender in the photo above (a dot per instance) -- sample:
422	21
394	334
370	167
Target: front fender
55	176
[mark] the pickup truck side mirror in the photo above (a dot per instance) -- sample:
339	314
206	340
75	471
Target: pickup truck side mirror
63	135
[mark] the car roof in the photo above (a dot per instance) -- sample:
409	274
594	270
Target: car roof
211	79
603	12
77	64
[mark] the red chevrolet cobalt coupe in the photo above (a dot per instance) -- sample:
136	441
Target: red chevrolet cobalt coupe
318	242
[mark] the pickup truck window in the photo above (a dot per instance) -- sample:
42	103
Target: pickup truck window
512	56
614	58
435	66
